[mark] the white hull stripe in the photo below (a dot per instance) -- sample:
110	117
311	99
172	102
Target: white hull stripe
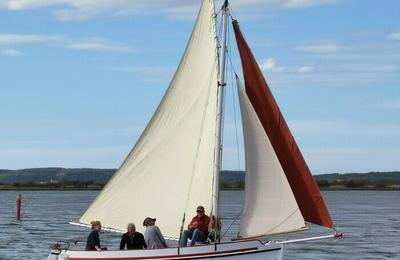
191	256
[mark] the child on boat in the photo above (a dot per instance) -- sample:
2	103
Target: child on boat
93	240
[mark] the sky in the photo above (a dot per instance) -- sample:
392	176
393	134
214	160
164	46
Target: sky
80	79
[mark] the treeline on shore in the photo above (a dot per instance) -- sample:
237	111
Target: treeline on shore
235	185
52	185
61	178
358	184
371	180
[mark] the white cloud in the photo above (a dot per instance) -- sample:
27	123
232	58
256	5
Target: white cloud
343	65
304	3
6	39
270	65
394	36
393	104
89	44
107	157
98	44
306	69
70	15
342	128
240	4
319	48
177	9
10	52
27	4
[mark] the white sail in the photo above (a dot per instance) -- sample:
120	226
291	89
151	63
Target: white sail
269	204
169	171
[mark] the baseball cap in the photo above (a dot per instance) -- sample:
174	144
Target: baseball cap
147	220
200	208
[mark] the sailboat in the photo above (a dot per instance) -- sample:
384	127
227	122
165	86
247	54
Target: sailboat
175	164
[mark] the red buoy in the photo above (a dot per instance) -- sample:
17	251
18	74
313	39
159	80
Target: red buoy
19	199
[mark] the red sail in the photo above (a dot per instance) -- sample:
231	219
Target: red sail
305	190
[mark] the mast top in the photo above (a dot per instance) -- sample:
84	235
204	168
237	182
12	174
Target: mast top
225	5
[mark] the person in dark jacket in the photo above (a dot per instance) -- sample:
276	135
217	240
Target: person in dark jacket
132	239
93	240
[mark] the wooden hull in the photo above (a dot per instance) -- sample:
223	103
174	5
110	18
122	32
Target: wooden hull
253	249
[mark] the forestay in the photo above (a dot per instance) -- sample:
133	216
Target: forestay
169	170
269	204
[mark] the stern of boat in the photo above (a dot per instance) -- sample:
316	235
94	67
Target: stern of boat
58	251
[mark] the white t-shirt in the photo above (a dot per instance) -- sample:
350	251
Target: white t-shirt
153	237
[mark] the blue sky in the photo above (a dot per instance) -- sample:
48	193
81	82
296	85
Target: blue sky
80	79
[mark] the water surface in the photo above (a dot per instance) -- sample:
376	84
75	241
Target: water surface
370	221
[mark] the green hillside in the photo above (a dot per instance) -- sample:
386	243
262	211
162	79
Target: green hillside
55	174
96	178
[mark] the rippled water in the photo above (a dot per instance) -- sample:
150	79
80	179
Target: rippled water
370	221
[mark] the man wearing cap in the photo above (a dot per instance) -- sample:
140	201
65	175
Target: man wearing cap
197	229
152	235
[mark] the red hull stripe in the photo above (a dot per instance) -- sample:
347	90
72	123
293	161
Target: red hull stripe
302	183
187	256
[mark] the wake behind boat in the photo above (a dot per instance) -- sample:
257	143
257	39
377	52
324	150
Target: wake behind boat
175	164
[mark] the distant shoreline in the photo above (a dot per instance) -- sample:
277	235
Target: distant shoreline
82	179
46	189
338	188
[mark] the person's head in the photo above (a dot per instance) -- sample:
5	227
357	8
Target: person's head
131	228
149	222
200	211
96	225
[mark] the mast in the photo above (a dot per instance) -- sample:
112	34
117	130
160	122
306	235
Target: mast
220	100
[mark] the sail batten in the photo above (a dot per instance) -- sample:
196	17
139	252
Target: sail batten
169	170
305	190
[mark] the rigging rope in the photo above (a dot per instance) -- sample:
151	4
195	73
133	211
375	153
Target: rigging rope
231	224
232	72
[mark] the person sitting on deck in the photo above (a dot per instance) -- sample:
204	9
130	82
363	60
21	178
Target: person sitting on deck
152	235
197	229
93	240
132	239
214	228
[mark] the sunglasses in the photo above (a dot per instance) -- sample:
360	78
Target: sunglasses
200	211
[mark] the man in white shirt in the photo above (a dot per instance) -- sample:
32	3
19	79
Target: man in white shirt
152	235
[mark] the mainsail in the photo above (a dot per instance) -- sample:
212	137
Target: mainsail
305	190
269	205
169	171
